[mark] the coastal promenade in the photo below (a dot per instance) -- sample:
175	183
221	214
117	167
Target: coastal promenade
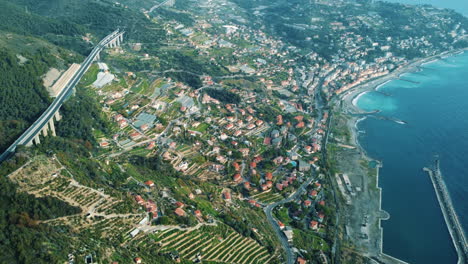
450	216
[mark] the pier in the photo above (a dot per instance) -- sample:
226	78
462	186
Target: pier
384	93
407	80
450	216
399	121
425	68
419	73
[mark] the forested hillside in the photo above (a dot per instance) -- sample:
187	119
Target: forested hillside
22	96
22	238
96	17
60	24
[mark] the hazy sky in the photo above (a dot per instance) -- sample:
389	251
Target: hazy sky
459	5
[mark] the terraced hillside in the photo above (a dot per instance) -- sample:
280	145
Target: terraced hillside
215	243
105	215
101	213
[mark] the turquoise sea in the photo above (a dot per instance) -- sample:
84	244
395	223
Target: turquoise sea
458	5
435	107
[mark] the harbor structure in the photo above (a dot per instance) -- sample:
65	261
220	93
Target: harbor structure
451	218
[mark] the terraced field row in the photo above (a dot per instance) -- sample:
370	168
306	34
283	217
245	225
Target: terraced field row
225	246
268	197
70	191
101	213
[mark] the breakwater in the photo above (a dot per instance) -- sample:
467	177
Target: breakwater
450	216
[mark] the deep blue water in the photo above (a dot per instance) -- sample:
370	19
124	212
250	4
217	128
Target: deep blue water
436	110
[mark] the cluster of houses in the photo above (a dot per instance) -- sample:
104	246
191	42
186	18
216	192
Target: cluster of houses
149	205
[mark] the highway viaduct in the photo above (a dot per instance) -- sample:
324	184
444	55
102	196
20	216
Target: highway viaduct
45	123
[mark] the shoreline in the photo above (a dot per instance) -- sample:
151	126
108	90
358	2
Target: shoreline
352	95
351	109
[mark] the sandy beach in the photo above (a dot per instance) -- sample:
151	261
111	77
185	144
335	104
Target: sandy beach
351	97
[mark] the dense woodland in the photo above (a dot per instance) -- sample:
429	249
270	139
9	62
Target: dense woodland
96	17
22	238
81	114
22	95
223	96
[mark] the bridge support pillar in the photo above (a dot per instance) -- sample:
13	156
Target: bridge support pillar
37	140
45	130
57	115
52	127
98	57
29	144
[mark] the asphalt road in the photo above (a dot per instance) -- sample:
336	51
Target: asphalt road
290	258
42	121
274	223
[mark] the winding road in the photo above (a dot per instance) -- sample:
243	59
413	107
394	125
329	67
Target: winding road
274	223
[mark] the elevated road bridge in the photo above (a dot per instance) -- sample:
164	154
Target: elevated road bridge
45	123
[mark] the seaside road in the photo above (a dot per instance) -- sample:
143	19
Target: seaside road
274	223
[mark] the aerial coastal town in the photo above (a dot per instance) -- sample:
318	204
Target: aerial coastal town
227	139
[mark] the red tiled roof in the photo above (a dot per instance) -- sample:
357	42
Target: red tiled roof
227	195
149	183
300	125
237	177
301	260
139	199
269	184
313	224
279	186
179	212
